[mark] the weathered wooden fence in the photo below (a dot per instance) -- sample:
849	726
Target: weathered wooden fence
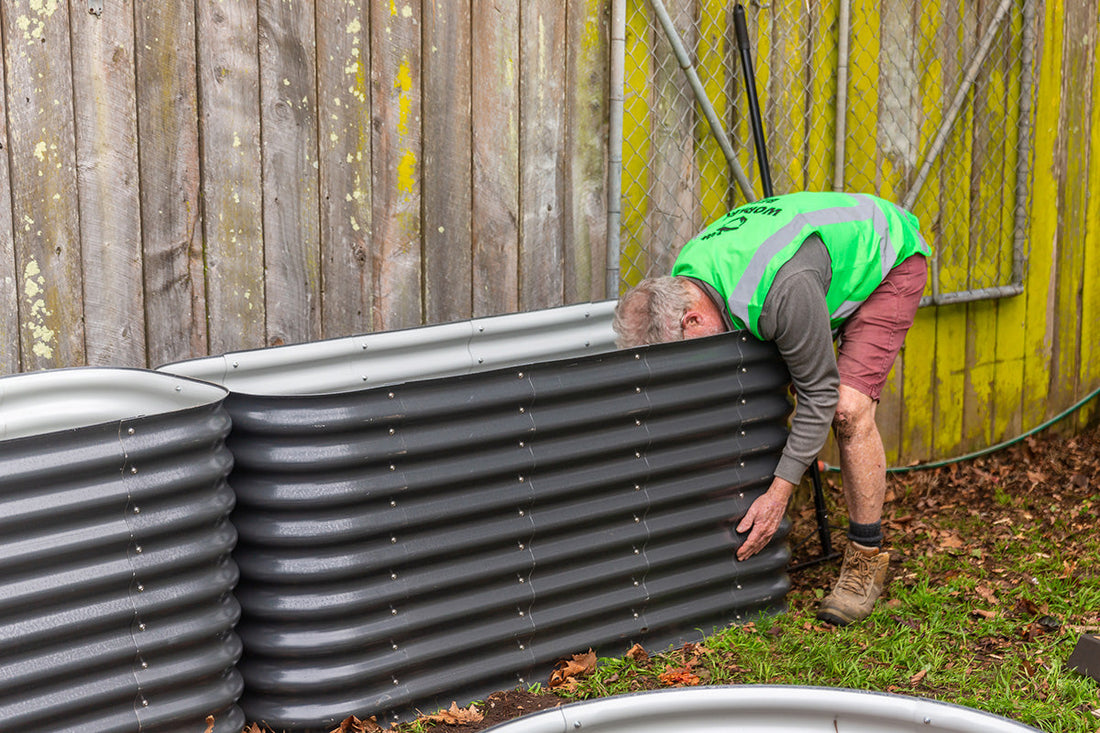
200	176
196	176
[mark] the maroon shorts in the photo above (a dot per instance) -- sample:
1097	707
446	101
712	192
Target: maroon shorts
871	338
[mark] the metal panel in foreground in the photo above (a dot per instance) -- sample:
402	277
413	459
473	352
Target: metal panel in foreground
436	540
762	709
115	569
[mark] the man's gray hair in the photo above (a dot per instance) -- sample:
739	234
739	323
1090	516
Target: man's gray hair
650	312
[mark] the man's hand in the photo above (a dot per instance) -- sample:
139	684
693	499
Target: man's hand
763	517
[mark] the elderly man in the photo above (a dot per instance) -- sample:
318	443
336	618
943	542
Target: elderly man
801	270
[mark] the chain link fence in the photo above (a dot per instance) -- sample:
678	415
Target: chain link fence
924	103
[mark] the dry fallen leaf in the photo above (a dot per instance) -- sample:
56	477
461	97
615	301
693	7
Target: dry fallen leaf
679	677
918	677
456	715
637	653
569	671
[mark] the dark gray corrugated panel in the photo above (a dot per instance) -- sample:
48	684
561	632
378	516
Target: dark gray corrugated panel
116	611
762	709
439	539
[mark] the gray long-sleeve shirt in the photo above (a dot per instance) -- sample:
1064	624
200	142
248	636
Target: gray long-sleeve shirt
796	317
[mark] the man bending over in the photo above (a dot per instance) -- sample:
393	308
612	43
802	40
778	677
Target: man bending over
800	270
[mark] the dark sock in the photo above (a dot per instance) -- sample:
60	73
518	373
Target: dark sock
868	535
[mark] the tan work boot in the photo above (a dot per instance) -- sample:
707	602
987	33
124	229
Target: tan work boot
861	579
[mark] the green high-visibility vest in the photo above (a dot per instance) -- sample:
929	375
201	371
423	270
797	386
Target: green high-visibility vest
741	252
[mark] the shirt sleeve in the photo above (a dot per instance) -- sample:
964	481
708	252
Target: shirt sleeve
796	318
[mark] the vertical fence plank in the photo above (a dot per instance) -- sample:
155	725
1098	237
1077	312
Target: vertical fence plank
919	377
1044	214
171	217
105	102
1089	378
1007	392
542	140
714	51
821	67
495	158
673	209
288	119
9	300
44	186
1079	66
586	151
231	187
344	159
637	128
447	181
396	110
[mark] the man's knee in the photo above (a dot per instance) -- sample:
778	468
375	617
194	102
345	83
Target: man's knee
855	414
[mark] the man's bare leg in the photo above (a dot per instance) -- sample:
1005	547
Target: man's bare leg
863	468
862	457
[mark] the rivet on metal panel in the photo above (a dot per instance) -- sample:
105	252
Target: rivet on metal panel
393	611
144	664
522	410
390	395
141	627
236	364
481	329
738	586
744	370
138	549
179	388
364	347
637	390
522	647
635	584
393	431
742	433
521	479
744	339
635	614
637	356
393	503
520	544
637	454
637	487
521	613
393	540
927	721
577	724
741	495
637	519
480	360
144	703
130	431
133	469
137	510
364	377
637	551
141	588
521	512
393	467
521	680
521	444
587	344
395	682
743	401
638	422
520	375
393	576
522	579
395	647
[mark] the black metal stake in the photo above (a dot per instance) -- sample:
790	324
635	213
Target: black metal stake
754	104
742	31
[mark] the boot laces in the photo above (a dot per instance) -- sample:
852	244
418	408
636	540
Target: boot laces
857	574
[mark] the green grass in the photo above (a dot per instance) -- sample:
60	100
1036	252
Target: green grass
964	626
